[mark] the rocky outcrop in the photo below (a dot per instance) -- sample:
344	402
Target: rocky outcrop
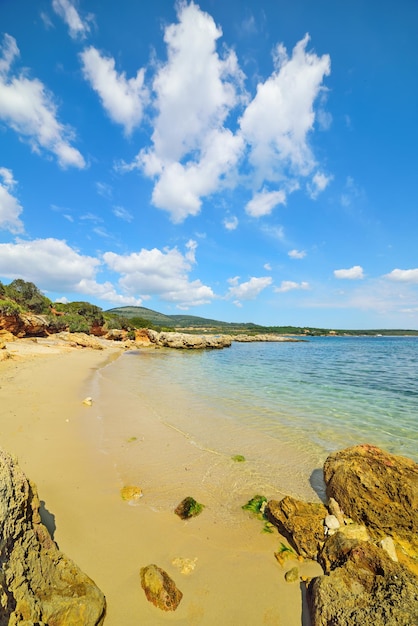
301	523
365	539
263	337
366	589
25	325
375	488
38	583
187	341
81	340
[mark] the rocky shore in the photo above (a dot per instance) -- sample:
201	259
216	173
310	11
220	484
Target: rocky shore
365	539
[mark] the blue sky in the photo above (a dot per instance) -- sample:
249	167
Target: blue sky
240	160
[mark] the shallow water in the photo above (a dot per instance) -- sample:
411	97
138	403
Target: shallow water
283	406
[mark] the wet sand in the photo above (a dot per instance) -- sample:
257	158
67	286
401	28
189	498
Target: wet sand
75	462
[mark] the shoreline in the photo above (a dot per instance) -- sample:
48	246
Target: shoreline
236	578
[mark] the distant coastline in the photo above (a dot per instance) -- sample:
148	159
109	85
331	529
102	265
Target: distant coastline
195	324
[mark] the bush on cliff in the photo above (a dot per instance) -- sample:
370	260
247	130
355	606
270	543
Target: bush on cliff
28	296
9	307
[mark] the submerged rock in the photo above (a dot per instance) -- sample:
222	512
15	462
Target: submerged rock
188	508
38	583
159	588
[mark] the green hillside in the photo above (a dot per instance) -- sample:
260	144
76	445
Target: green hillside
193	322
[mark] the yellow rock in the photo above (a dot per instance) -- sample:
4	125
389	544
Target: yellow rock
131	493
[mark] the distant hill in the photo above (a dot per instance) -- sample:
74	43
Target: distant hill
178	321
193	322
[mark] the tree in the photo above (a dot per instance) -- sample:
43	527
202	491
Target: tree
28	296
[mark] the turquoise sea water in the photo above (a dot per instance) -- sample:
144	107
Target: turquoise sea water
336	391
285	406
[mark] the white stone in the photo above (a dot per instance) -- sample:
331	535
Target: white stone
331	522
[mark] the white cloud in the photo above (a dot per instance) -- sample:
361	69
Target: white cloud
248	290
297	254
353	273
267	267
403	276
122	98
195	90
290	285
29	109
264	202
320	181
231	222
277	121
10	208
54	266
162	273
106	292
180	188
49	263
67	11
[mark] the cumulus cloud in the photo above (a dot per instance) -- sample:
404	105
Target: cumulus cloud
162	273
192	153
54	266
264	202
196	93
290	285
277	122
297	254
403	276
28	108
10	208
248	290
353	273
66	10
50	263
122	98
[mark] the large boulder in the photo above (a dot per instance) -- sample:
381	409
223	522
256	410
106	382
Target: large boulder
377	489
38	583
301	523
368	589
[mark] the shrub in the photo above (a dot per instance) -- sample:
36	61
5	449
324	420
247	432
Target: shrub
8	307
28	296
77	323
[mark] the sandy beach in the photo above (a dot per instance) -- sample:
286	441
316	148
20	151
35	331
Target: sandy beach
235	580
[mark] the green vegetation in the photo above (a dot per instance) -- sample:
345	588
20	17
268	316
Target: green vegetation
9	307
257	506
141	317
238	458
27	295
22	296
